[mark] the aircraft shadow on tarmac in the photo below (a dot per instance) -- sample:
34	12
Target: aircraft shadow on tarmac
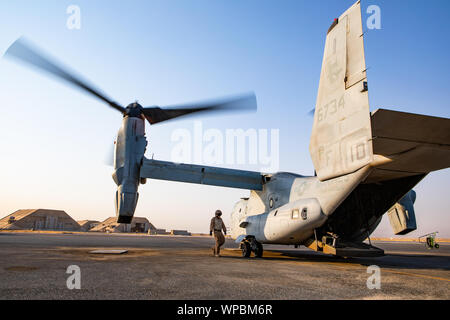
392	261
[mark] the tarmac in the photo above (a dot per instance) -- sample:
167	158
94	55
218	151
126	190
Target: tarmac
34	266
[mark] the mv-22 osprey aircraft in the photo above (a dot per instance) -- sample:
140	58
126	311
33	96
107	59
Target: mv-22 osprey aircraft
366	163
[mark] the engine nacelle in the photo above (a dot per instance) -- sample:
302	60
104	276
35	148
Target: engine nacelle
129	151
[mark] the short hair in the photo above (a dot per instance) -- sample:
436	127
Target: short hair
218	213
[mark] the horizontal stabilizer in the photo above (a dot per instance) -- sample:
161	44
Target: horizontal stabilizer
416	143
213	176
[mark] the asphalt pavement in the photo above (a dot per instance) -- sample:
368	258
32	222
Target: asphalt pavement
36	265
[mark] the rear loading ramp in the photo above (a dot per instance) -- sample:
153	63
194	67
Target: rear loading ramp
335	247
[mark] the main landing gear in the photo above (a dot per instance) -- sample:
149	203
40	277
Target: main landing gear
250	244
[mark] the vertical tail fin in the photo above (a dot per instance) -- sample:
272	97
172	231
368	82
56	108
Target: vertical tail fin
341	135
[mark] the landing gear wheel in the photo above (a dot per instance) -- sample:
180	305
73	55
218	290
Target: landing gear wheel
259	250
246	249
436	246
430	243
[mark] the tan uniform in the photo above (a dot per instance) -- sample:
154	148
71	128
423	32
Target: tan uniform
216	226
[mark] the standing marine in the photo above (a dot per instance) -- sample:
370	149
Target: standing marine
217	226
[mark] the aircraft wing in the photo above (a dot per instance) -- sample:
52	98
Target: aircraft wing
213	176
416	143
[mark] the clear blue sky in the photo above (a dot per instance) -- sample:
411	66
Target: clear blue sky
53	139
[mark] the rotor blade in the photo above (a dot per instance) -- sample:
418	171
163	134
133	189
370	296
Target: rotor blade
24	52
237	103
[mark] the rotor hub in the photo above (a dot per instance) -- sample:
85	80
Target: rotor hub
133	110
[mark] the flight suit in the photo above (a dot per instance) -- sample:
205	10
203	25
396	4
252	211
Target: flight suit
217	226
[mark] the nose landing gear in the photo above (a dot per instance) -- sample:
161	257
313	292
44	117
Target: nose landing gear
249	245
